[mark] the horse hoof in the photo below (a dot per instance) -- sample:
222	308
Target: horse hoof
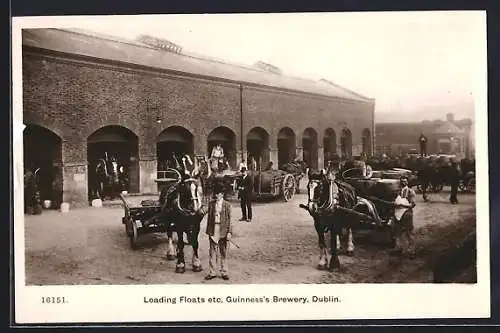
350	253
321	267
170	257
180	270
334	266
197	269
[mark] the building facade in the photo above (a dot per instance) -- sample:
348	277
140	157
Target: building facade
449	136
88	96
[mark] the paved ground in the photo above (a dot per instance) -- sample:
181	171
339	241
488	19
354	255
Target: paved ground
89	246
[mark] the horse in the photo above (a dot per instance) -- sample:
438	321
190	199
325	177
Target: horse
109	176
181	211
32	200
326	198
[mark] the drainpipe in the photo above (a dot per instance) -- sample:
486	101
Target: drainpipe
241	122
373	129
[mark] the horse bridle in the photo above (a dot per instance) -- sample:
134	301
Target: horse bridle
328	204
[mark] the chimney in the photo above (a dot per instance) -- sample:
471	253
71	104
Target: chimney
450	117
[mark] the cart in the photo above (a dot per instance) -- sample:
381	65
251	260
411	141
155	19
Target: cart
141	212
271	184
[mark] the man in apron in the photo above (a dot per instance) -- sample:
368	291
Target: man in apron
403	218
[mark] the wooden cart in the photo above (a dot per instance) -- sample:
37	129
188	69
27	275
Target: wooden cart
272	183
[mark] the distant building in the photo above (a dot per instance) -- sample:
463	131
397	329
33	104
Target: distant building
448	136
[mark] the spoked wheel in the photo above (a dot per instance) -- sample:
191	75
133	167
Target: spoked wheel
420	188
289	187
128	227
134	236
437	188
462	185
471	185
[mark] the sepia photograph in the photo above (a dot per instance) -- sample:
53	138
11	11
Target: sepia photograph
282	161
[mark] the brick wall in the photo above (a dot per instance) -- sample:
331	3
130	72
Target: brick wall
74	97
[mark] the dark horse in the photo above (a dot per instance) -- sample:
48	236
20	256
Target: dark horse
180	209
109	178
328	202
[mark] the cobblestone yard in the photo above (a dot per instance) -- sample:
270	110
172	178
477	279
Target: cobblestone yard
89	246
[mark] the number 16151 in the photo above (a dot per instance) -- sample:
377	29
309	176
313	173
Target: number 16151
53	300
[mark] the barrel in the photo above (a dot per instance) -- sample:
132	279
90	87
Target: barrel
386	189
364	187
266	180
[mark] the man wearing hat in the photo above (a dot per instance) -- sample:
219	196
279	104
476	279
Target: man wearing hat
219	230
245	193
403	226
454	181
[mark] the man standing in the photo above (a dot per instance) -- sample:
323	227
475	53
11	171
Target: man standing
219	230
245	193
423	144
454	181
403	224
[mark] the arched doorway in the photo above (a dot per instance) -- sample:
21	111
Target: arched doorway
310	147
346	143
367	142
43	150
227	139
114	141
286	146
173	140
258	146
329	145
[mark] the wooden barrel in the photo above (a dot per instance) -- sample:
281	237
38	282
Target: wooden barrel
267	179
364	187
391	174
386	189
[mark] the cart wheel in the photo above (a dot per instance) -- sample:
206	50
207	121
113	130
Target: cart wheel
471	185
128	227
437	188
134	236
289	187
462	186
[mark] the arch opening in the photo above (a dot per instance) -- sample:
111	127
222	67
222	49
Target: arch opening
227	139
174	140
42	149
329	145
346	143
286	146
310	148
117	142
258	146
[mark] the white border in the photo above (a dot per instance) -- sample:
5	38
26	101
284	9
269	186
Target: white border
359	301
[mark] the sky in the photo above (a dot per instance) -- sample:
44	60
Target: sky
416	65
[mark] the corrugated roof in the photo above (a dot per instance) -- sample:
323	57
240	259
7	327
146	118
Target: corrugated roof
106	47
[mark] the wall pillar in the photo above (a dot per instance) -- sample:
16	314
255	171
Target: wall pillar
241	155
299	151
147	176
273	157
338	150
75	189
321	158
357	149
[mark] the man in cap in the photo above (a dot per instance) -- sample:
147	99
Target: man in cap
422	140
219	230
454	181
245	193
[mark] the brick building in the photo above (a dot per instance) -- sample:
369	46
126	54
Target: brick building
86	95
447	136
